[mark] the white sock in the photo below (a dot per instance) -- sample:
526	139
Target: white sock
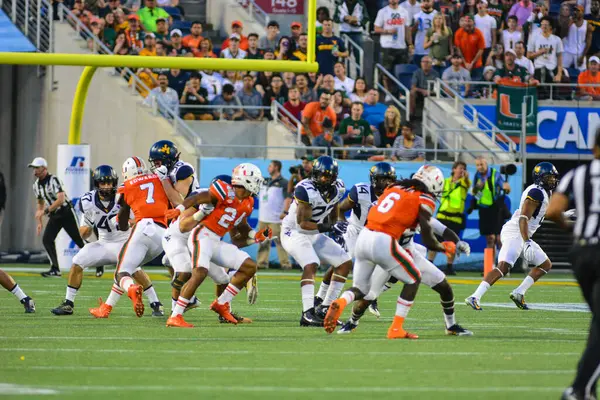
231	273
151	294
180	306
18	292
402	307
308	297
333	293
349	296
126	283
173	303
322	290
228	294
71	293
525	285
450	320
115	294
483	287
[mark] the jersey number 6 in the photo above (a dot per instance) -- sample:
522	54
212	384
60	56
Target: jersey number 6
388	202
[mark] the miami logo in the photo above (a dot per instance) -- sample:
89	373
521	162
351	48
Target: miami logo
507	107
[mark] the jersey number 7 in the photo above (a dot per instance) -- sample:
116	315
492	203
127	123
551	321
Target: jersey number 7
150	188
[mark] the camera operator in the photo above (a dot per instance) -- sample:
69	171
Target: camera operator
489	188
298	173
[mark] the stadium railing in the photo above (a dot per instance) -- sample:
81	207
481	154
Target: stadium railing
280	114
256	12
263	151
404	106
353	65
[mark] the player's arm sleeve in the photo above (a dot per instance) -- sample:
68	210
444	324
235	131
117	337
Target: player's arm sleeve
437	226
353	194
184	172
535	194
218	189
427	203
301	195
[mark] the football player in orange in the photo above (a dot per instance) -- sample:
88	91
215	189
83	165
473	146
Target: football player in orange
143	193
403	205
233	204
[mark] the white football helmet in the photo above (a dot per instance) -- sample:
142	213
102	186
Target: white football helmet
132	167
432	177
249	176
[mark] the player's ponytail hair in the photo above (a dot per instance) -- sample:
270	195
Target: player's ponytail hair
413	184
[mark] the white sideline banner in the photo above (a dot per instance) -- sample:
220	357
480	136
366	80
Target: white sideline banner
73	168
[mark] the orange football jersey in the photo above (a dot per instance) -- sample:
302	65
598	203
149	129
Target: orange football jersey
146	197
397	210
229	211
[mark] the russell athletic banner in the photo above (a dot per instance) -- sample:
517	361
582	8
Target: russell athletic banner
509	109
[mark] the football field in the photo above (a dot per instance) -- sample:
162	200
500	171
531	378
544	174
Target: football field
513	353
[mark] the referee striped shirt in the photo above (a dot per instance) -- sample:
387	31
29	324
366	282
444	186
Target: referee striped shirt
47	189
582	186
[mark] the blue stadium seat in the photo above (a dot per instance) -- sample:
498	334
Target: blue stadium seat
404	73
183	25
173	12
573	74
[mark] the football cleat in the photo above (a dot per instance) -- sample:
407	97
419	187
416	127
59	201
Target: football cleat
101	312
239	319
135	293
473	302
333	315
224	311
569	394
374	309
195	303
519	300
52	273
29	305
252	289
399	333
321	312
99	271
178	322
157	309
309	318
318	301
66	308
348	327
458	330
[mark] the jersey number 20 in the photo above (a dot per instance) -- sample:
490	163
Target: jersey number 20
388	202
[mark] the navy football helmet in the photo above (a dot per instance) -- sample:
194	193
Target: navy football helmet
324	173
382	175
106	174
546	175
163	152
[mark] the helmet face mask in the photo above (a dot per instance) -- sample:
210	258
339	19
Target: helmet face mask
382	175
546	175
163	152
324	174
105	174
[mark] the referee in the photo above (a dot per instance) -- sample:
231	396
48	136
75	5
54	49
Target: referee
581	187
53	202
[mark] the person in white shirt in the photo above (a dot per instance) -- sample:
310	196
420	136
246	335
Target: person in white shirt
233	50
412	7
487	25
587	6
342	82
546	50
212	82
511	36
578	41
165	97
521	59
422	22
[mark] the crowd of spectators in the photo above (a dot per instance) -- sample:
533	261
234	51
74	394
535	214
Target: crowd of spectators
461	43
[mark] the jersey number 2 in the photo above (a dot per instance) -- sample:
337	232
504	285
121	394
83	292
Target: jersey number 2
229	217
150	195
388	202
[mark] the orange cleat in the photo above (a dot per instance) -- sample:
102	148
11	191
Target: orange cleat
178	322
224	311
396	330
101	312
135	293
333	315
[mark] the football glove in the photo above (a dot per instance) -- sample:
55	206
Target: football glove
262	235
463	248
162	172
528	251
340	228
449	248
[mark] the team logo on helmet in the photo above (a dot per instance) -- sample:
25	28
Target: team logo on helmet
165	149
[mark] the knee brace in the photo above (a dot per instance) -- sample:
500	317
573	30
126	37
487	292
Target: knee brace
179	279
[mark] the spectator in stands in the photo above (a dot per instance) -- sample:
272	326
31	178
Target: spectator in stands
253	52
330	48
195	95
522	60
236	27
419	84
268	54
263	81
276	92
109	32
162	31
341	80
456	76
522	10
322	15
164	96
577	41
328	139
562	24
121	22
422	22
546	51
93	6
150	13
228	98
121	45
512	70
495	9
532	27
296	31
313	116
177	80
389	129
285	49
212	82
438	41
249	96
288	79
593	19
205	50
360	90
233	51
470	43
294	105
111	6
511	36
487	25
301	49
131	6
314	80
469	9
586	4
270	40
488	76
496	57
194	39
393	25
590	76
408	146
307	95
374	111
161	50
412	7
234	78
177	48
341	111
354	130
134	34
352	17
149	45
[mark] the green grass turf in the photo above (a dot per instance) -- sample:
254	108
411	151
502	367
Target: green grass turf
514	353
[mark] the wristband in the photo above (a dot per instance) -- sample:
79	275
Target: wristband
324	227
180	207
198	215
524	216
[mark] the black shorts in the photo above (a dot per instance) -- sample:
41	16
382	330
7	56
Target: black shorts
393	57
490	220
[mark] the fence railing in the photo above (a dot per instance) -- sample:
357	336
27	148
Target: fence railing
379	69
352	64
261	151
256	12
280	114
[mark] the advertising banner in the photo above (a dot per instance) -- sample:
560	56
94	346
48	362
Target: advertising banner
293	7
509	110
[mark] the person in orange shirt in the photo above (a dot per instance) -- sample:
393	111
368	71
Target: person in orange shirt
404	205
233	203
149	45
590	76
142	192
237	27
469	41
194	39
313	116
